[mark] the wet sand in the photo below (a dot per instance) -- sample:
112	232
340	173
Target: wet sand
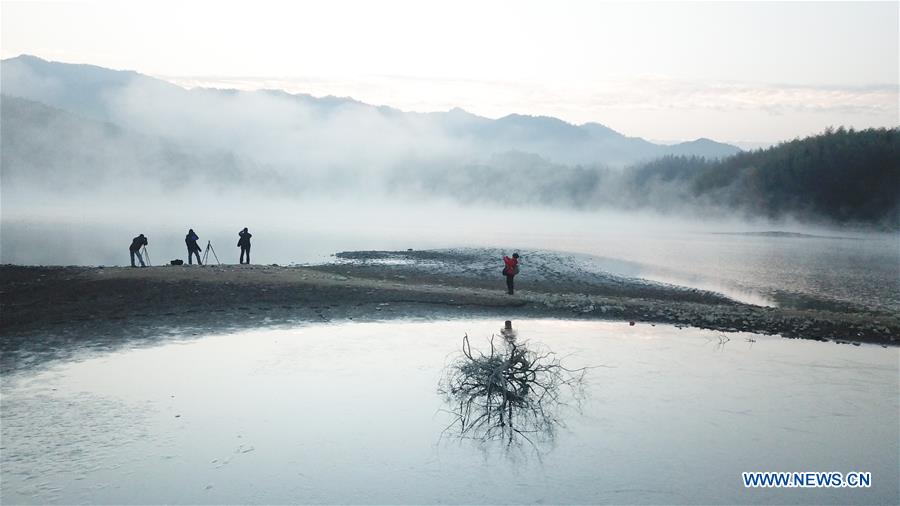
55	312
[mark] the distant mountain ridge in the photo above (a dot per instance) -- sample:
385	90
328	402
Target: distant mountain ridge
838	177
96	93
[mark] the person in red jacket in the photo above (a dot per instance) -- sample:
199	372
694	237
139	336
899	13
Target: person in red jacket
510	271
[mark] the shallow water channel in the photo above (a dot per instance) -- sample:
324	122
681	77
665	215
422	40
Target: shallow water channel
351	413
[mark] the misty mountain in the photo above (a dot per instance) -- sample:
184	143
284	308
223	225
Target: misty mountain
87	131
51	150
841	176
155	107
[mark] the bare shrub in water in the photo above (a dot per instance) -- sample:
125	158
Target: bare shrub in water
511	392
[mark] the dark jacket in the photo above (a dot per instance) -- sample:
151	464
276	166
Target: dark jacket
191	241
244	241
137	242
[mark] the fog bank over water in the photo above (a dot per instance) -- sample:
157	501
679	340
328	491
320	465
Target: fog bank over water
291	230
738	258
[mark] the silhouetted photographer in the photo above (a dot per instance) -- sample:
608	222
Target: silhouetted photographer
244	244
193	248
135	249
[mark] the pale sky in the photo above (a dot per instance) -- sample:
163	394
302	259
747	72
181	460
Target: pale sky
760	71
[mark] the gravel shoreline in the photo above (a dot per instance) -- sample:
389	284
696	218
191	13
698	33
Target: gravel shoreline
56	312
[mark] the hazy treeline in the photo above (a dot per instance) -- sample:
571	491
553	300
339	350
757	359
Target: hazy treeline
841	176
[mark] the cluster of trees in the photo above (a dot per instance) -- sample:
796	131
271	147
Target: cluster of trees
844	176
841	176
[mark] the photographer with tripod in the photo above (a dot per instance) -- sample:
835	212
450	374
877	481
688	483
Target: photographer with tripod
193	248
135	249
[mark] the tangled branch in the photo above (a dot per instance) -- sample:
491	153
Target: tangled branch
510	392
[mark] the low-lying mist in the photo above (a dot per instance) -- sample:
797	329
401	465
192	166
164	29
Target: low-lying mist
729	256
96	227
287	149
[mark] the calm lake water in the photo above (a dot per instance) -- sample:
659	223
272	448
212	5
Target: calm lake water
350	413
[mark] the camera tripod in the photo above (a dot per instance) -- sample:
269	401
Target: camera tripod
206	253
146	256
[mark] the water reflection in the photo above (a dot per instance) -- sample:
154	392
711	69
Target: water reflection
346	413
512	394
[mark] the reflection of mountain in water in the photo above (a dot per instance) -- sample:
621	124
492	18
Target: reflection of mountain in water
510	394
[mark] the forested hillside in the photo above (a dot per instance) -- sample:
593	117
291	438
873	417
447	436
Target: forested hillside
842	175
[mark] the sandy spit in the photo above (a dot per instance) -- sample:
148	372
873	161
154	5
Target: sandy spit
53	312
